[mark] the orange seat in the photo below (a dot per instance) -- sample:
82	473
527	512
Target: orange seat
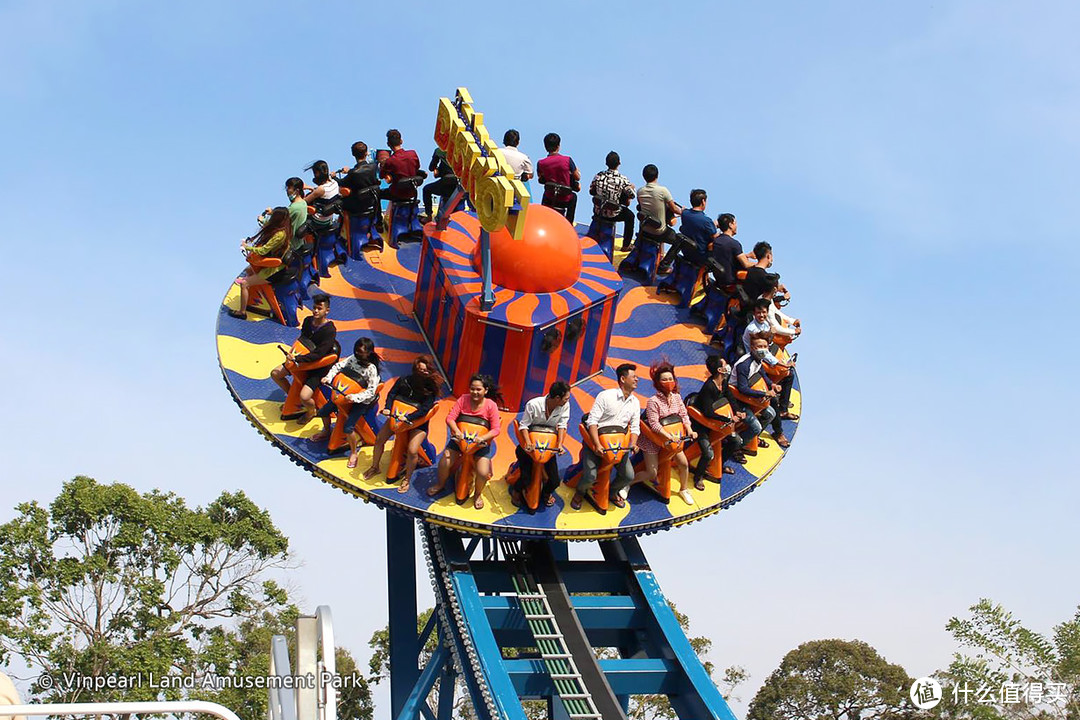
756	404
614	445
401	427
672	425
341	386
472	427
292	408
545	443
718	430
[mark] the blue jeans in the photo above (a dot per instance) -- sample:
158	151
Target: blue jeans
754	423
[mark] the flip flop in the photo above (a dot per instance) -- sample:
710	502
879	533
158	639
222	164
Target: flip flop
352	462
478	503
404	486
550	501
789	416
370	473
618	501
320	436
434	490
699	484
729	470
575	504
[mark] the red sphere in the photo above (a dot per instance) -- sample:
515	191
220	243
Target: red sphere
547	258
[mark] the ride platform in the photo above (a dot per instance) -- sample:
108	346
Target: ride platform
374	297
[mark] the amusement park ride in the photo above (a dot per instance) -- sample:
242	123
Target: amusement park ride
516	292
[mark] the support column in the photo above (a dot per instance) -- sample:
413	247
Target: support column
401	595
487	295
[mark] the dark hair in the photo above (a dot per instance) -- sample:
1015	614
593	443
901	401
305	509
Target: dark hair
367	346
511	138
766	336
724	221
558	389
393	137
429	382
712	364
761	304
622	370
278	221
612	160
552	141
320	170
650	172
697	197
359	150
491	388
761	248
660	367
295	184
320	298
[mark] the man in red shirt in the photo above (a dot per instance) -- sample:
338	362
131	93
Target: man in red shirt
401	164
556	168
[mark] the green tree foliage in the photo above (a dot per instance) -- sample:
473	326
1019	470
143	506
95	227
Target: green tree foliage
1014	672
833	680
106	582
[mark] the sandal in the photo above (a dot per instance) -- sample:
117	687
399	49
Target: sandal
618	501
782	441
788	416
478	503
320	436
353	460
699	484
762	443
515	499
434	490
550	501
729	470
404	486
575	504
238	314
371	472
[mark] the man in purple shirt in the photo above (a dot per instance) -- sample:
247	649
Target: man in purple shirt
560	169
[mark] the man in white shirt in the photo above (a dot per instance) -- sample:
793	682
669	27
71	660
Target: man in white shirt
519	161
615	407
552	411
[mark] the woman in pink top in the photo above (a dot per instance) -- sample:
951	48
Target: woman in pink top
665	402
478	402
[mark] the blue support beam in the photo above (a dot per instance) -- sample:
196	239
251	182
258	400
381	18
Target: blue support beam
487	293
645	676
417	700
401	597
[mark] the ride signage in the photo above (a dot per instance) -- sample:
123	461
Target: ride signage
501	200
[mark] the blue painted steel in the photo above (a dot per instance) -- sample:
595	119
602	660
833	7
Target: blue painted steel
487	297
487	650
418	697
708	698
401	598
447	688
629	676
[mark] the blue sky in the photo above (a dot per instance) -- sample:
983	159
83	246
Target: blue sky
911	164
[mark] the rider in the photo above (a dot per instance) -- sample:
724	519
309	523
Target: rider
520	163
615	407
714	389
560	169
610	188
272	240
321	335
655	202
443	185
359	179
480	400
666	401
420	388
363	367
552	411
325	192
744	368
401	164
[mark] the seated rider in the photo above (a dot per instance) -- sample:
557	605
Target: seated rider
419	388
758	277
698	227
554	412
664	402
443	185
323	197
480	400
656	209
520	163
363	367
362	180
746	367
320	336
727	257
612	192
272	241
615	407
401	164
559	169
712	391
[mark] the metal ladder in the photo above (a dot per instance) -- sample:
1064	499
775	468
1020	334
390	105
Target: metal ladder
549	640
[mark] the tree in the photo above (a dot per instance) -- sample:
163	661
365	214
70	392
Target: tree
107	591
833	680
642	707
1015	672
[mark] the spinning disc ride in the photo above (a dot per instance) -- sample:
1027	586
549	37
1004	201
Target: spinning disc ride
513	291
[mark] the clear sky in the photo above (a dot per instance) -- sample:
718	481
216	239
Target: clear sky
911	164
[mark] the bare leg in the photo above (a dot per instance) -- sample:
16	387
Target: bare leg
307	399
280	377
648	475
412	456
448	460
354	441
483	474
376	455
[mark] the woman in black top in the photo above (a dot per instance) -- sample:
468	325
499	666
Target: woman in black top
419	388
